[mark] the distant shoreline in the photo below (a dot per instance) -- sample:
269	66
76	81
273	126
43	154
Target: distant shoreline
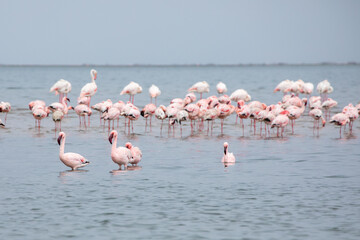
183	65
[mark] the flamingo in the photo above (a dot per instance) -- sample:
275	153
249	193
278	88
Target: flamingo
193	110
148	111
181	116
228	157
120	155
132	88
224	112
243	112
61	87
200	87
280	122
327	105
5	107
240	94
136	154
352	113
282	86
133	115
60	106
57	117
340	119
221	88
316	114
39	114
111	114
189	98
154	92
82	110
324	88
89	89
37	103
72	160
210	115
160	113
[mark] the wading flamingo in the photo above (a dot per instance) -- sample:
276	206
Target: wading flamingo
228	157
221	88
132	88
72	160
200	87
136	154
154	92
6	108
90	89
120	155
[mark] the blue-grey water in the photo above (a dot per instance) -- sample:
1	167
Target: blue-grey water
301	186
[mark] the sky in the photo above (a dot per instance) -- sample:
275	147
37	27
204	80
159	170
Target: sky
179	32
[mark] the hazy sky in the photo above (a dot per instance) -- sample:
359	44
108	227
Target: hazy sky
179	32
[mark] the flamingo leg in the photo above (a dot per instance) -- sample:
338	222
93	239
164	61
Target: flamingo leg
222	125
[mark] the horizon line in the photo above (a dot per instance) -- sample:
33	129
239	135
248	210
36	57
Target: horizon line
182	65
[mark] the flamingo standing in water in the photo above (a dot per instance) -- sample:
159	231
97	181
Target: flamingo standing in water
82	110
224	112
200	87
154	92
317	115
240	94
221	88
148	111
280	121
57	117
160	113
132	88
61	87
340	119
5	107
228	157
72	160
90	89
324	88
120	155
136	154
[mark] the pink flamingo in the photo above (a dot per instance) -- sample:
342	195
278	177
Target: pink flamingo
327	105
136	154
111	114
5	107
72	160
352	113
240	94
280	122
82	110
243	112
221	88
200	87
89	89
211	115
39	114
148	111
316	114
132	88
133	115
120	155
37	103
282	86
61	87
324	88
60	106
154	92
193	110
228	157
160	113
340	119
224	112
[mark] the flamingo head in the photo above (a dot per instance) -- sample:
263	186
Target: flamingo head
226	145
61	135
128	145
112	135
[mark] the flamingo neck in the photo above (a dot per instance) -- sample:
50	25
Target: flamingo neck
62	146
92	77
114	144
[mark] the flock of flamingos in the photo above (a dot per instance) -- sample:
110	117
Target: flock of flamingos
278	115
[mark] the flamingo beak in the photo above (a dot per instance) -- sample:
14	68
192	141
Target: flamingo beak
224	150
68	99
95	76
111	137
59	139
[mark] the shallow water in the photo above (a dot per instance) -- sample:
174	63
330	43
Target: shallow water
301	186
